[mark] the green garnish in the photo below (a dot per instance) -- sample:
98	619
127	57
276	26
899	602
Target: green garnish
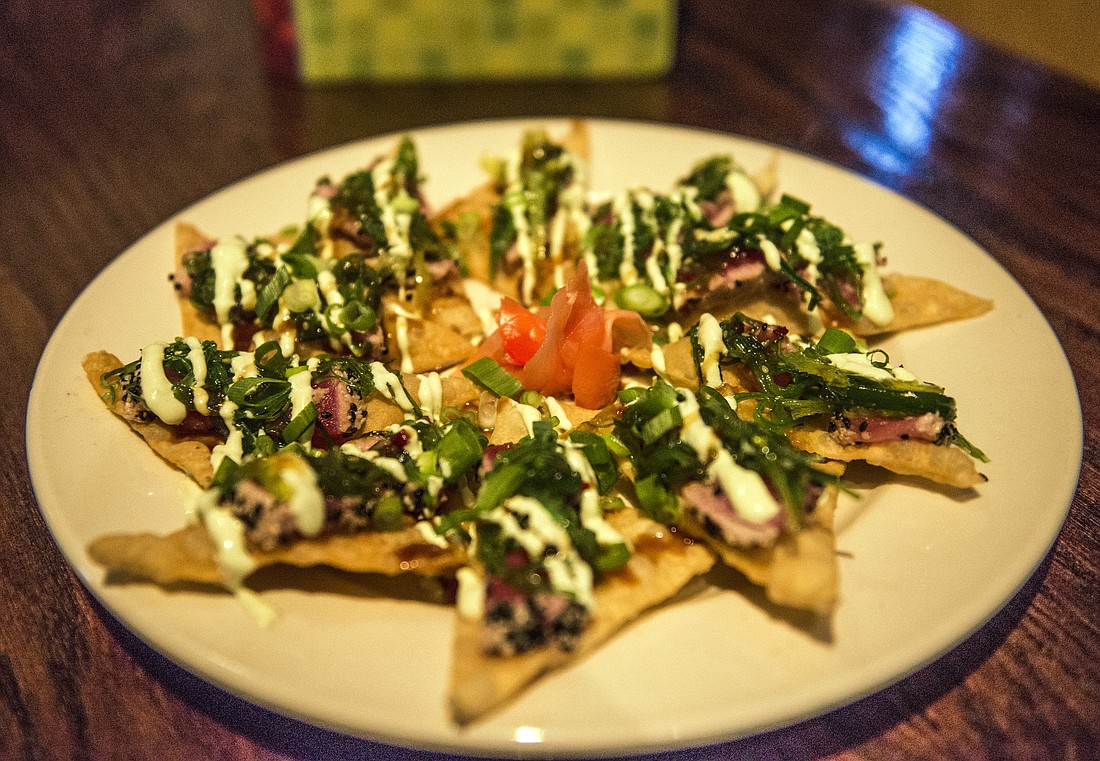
489	375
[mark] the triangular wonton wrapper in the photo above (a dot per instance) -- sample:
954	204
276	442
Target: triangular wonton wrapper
188	555
438	340
510	426
191	453
918	302
944	464
799	571
472	215
663	563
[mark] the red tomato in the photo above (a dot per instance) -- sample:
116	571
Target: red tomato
522	331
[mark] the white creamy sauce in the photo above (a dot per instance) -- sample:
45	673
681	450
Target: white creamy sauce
514	201
530	415
745	489
470	598
624	211
657	358
772	256
806	245
427	531
431	395
567	571
710	340
389	385
306	502
558	226
860	364
876	304
232	558
301	391
330	290
485	302
556	410
198	368
230	554
229	260
233	448
746	196
591	514
401	328
156	389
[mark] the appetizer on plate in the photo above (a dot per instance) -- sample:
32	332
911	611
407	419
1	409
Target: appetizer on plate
565	403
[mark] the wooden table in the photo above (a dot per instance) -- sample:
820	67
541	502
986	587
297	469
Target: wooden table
116	115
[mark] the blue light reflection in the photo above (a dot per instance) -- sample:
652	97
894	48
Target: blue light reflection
914	73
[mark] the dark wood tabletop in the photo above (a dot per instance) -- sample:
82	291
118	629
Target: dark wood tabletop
115	115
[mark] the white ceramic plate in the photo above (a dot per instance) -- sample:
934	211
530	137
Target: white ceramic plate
921	568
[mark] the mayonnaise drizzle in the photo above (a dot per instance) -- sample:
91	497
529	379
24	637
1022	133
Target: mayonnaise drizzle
198	369
156	389
590	512
710	339
229	259
745	489
860	364
431	395
876	304
306	501
567	570
389	385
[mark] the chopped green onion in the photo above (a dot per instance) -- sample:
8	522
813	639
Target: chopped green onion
333	319
489	375
301	424
387	514
654	499
531	398
271	292
612	556
300	296
657	426
835	341
358	317
262	398
226	472
263	446
458	451
643	299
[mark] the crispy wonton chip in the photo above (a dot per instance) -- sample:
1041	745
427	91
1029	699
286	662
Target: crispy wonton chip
472	217
510	426
799	571
191	454
187	555
439	340
918	302
948	465
194	323
662	564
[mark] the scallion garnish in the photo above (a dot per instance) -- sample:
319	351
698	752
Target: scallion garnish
489	375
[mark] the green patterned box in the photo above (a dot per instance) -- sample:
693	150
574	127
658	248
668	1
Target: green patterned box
483	39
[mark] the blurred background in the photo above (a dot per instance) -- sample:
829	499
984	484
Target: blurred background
387	40
1063	34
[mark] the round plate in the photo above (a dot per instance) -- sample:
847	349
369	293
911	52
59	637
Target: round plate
921	567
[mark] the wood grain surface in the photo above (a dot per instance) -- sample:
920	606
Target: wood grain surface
116	114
